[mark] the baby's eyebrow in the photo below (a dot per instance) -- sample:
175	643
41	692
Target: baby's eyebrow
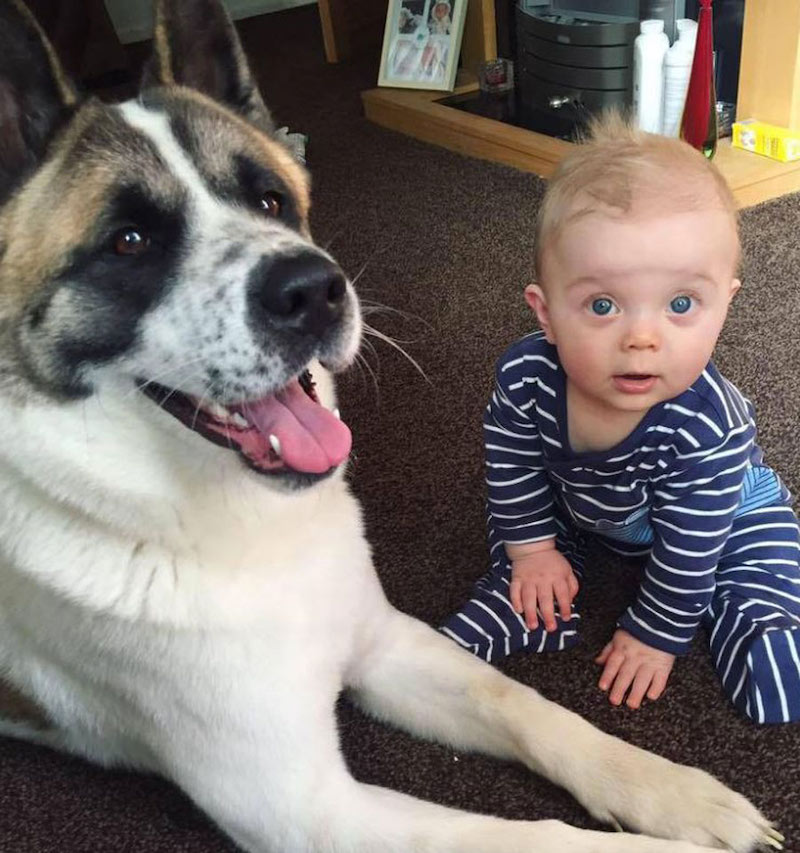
686	278
587	280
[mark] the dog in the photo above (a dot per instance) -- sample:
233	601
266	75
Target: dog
174	519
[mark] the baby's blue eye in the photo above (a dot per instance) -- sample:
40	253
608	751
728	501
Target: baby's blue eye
681	304
602	306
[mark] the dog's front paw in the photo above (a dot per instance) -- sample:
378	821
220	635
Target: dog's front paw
654	796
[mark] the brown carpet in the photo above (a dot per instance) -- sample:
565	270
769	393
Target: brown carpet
447	241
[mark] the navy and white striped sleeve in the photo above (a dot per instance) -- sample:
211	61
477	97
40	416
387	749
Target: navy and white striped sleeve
692	514
520	501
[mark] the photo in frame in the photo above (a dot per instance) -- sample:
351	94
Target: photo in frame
421	43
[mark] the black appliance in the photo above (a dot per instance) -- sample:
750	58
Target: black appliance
574	61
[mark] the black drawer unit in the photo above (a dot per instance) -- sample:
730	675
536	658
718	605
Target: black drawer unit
573	62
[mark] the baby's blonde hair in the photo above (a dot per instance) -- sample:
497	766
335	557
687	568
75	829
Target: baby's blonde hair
618	166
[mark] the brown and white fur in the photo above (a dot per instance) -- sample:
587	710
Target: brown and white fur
166	579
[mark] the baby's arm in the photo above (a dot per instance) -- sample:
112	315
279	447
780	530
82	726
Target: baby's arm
520	501
692	514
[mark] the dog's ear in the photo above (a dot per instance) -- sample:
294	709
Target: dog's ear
195	44
36	96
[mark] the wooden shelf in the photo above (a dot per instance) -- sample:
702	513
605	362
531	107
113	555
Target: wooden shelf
769	89
751	177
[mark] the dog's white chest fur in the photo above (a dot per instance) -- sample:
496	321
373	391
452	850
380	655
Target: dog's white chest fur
147	572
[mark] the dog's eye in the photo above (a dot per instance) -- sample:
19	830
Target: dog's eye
130	241
271	204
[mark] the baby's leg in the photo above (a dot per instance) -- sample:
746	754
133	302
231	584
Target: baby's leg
754	618
489	627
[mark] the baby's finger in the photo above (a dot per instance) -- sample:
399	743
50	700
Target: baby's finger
546	607
529	606
641	682
603	656
613	663
515	594
622	682
658	684
574	584
564	599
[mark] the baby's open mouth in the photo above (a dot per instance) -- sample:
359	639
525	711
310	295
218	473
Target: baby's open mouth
288	431
634	383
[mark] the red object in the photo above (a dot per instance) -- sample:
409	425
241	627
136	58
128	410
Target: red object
699	122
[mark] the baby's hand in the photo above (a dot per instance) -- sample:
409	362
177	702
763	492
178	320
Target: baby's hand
544	578
629	663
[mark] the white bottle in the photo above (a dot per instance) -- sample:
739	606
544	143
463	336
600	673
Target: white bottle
649	49
677	70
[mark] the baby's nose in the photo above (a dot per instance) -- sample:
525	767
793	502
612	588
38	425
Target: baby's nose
642	334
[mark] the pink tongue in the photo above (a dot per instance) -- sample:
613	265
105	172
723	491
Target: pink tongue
312	438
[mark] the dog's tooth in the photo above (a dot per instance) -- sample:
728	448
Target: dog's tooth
219	412
239	420
275	444
337	413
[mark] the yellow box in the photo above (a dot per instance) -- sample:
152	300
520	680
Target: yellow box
779	143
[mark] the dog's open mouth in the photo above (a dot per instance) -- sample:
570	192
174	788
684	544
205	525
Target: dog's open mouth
288	431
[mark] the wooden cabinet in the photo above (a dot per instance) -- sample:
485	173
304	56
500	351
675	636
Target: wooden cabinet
769	75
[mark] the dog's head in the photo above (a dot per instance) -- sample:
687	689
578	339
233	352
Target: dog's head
163	244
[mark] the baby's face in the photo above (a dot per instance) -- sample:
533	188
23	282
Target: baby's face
635	304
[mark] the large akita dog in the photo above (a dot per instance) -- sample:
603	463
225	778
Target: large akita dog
184	582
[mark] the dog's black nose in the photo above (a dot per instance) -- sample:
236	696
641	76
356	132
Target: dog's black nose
305	293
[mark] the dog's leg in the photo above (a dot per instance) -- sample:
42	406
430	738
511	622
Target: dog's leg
417	679
17	730
298	797
22	719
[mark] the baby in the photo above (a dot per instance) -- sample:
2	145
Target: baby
440	19
613	421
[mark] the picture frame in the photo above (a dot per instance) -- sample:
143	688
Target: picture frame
421	43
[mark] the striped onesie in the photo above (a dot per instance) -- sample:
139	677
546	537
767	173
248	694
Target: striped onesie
687	489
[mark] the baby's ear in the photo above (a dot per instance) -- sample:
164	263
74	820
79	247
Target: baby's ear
536	299
735	285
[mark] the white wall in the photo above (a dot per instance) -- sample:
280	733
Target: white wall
133	19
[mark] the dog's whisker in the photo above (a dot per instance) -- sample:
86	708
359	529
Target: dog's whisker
358	363
227	435
166	396
336	234
358	275
174	369
198	407
369	306
370	330
362	361
159	377
366	342
396	340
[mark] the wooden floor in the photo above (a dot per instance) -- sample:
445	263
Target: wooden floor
752	178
